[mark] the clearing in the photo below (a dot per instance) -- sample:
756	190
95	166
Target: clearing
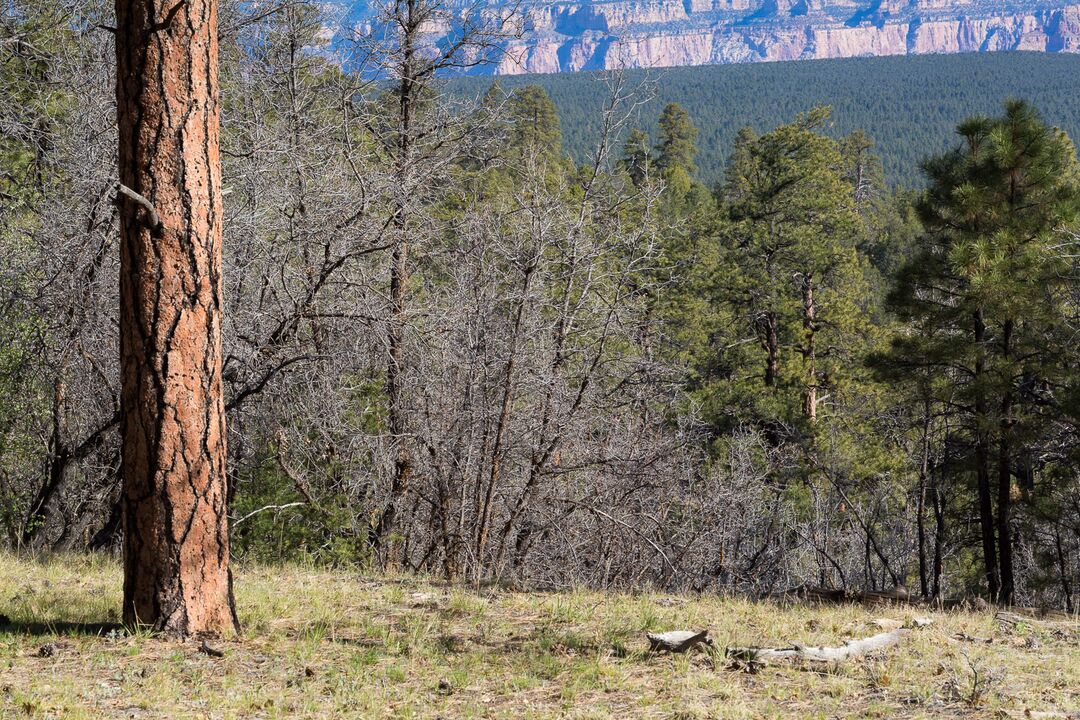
321	644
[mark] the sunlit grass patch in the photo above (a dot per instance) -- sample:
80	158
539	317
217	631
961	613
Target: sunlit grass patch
333	644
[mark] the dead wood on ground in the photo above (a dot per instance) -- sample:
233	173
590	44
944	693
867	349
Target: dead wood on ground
851	649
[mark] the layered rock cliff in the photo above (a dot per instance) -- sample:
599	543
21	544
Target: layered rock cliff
594	35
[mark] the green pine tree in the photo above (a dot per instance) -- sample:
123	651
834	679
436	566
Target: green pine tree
794	269
636	159
983	300
535	125
677	147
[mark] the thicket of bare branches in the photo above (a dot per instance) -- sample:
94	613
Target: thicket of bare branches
440	341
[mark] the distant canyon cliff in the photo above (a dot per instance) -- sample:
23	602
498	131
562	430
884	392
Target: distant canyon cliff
571	36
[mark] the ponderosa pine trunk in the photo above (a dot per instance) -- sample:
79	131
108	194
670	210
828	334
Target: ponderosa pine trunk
982	465
176	545
772	349
920	510
810	390
770	321
939	534
1005	450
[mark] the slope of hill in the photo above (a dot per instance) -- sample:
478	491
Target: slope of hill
605	34
335	645
909	105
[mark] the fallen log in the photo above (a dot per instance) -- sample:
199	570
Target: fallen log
850	650
1019	616
678	641
805	593
1010	621
1045	614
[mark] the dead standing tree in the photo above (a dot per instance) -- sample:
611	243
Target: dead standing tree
176	547
406	48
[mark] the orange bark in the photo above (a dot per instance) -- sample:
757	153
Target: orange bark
176	546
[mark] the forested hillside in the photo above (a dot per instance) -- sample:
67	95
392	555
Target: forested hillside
909	105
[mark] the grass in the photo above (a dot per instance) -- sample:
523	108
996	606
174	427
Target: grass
320	644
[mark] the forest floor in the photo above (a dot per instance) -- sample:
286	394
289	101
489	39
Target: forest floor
320	644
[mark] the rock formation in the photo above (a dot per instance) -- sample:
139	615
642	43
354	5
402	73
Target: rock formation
585	35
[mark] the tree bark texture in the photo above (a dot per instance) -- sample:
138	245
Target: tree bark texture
982	466
407	94
176	545
1005	451
810	392
920	510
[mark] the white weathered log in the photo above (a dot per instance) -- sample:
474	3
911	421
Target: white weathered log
851	649
678	641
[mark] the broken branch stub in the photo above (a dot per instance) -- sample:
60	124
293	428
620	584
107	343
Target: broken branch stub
153	218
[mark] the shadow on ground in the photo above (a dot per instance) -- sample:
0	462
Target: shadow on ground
15	627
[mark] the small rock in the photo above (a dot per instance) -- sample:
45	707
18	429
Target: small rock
669	602
116	634
427	600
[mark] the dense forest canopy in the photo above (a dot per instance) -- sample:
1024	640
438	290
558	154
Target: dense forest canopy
909	105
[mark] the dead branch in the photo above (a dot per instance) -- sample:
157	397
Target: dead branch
152	214
898	594
850	650
678	641
268	507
